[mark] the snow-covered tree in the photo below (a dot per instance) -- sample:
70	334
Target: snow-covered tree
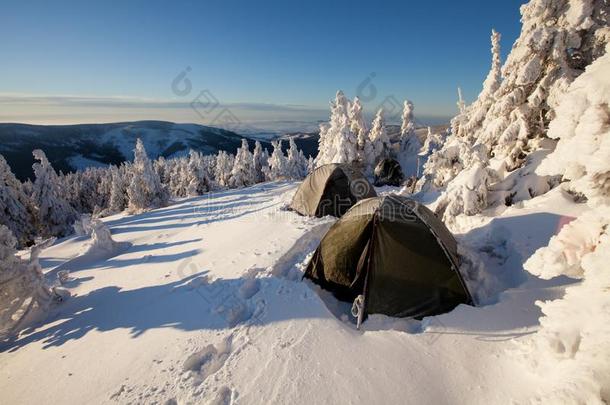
54	216
581	249
469	118
145	190
467	194
378	147
337	144
409	141
311	164
243	172
582	128
461	105
209	166
162	168
16	211
433	141
260	162
118	191
278	166
23	290
507	124
177	169
358	128
224	166
296	164
197	180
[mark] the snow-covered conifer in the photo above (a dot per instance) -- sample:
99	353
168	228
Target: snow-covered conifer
311	164
197	181
260	162
54	216
461	105
23	290
409	142
378	147
224	166
582	128
118	191
296	164
278	166
337	143
508	126
243	172
16	211
358	128
145	190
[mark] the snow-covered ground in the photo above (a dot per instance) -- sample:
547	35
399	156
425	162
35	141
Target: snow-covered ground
204	303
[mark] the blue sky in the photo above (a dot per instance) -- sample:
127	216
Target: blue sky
268	52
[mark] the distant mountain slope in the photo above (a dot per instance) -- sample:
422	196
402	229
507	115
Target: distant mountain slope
71	147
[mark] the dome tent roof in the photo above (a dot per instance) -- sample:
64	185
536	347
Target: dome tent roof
394	252
331	190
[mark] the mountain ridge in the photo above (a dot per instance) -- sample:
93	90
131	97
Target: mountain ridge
77	146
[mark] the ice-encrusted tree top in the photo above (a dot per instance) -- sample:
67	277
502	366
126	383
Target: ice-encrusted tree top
508	127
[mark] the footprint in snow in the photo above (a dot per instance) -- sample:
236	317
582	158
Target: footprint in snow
222	397
207	361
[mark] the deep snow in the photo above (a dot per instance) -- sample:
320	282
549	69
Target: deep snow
204	304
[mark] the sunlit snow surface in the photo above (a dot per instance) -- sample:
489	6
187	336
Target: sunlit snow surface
207	304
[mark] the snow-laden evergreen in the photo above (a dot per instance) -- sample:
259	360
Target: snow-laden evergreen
469	118
24	293
582	128
145	190
359	129
338	144
224	166
243	172
505	129
260	157
433	141
296	163
574	330
197	180
410	144
16	211
311	164
121	179
278	165
54	216
378	147
461	104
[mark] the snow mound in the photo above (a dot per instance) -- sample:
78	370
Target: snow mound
571	348
100	247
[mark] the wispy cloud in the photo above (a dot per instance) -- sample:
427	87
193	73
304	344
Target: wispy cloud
76	109
70	109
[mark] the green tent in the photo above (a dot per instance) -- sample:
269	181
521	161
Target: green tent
331	190
388	172
395	255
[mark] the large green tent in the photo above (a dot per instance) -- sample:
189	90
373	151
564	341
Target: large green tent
331	189
395	255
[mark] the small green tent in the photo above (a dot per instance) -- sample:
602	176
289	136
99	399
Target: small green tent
331	190
396	254
388	172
